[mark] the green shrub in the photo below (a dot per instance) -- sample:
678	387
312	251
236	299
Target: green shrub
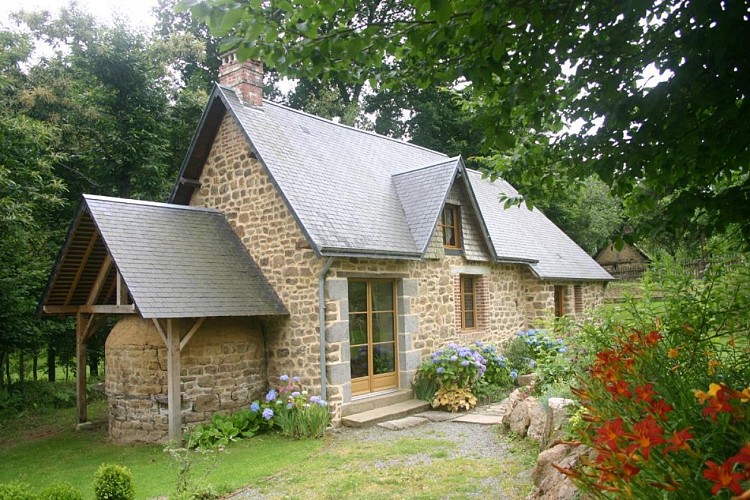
297	414
41	395
113	482
60	491
225	429
16	491
424	387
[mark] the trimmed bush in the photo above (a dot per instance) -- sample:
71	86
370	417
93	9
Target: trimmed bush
15	491
113	482
60	491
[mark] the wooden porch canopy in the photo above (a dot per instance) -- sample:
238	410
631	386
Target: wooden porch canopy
160	261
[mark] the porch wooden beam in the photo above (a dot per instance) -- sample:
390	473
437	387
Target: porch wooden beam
81	404
174	400
82	266
90	309
191	332
100	278
122	290
160	330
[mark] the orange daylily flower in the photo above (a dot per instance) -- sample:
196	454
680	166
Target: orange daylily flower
743	457
723	477
712	364
619	389
679	441
660	408
652	338
609	433
673	353
647	433
644	393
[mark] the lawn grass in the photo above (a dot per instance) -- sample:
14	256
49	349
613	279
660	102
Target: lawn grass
42	450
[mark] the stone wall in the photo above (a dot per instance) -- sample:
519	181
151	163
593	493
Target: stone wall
222	368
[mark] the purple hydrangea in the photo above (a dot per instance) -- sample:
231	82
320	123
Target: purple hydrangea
465	362
268	414
454	358
254	407
289	406
284	378
440	370
295	394
315	399
296	379
271	396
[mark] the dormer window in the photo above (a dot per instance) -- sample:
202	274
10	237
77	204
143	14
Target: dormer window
449	224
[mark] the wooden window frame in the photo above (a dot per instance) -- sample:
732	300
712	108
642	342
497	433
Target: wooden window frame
559	299
473	294
578	299
455	228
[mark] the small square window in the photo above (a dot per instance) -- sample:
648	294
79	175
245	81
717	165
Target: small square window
449	225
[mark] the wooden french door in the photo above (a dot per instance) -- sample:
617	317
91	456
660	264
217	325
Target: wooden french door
372	335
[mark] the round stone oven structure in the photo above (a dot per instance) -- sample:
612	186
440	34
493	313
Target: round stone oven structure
223	368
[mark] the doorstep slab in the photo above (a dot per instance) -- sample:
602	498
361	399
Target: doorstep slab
479	418
437	416
391	412
403	423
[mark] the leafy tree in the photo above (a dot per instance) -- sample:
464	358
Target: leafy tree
677	147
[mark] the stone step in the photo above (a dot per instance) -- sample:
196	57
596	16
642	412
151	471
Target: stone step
391	412
376	401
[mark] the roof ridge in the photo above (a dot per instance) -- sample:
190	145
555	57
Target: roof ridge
157	204
431	165
331	122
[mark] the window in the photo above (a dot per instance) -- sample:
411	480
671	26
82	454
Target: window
559	301
449	224
468	302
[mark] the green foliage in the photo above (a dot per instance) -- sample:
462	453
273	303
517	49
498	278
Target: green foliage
41	396
454	367
297	414
225	429
657	94
666	395
534	351
113	482
424	386
193	467
16	491
60	491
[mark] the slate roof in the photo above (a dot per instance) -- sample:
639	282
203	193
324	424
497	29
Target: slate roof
356	193
176	261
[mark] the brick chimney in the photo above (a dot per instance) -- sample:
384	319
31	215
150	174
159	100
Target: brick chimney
245	77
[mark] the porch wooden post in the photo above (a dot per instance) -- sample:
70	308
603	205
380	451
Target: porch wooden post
81	368
174	401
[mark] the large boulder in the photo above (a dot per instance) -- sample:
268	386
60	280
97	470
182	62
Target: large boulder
519	418
510	404
537	420
550	483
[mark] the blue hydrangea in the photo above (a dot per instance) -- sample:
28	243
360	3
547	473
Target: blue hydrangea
513	374
562	350
531	332
284	378
289	406
315	399
296	379
440	370
271	396
465	362
532	363
454	358
295	394
254	407
267	414
560	341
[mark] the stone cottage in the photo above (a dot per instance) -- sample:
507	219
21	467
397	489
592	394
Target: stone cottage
369	252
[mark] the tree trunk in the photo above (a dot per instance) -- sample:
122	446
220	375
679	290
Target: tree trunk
35	364
21	366
51	364
93	364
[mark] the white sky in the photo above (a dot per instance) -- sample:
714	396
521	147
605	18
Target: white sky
136	12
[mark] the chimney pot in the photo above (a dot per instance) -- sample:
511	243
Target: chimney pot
245	77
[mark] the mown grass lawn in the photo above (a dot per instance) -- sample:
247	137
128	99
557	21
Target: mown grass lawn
42	450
